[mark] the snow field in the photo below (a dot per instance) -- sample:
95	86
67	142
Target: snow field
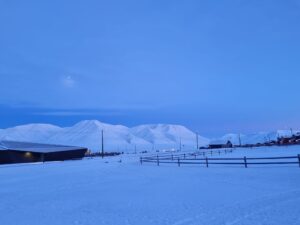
96	191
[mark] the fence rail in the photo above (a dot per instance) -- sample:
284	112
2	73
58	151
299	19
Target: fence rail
243	161
192	154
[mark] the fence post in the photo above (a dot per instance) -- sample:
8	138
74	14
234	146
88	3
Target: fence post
245	162
206	160
299	159
172	157
195	156
184	156
157	160
178	162
141	160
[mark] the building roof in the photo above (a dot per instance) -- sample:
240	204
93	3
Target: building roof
35	147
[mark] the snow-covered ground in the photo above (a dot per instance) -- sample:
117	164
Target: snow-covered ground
96	191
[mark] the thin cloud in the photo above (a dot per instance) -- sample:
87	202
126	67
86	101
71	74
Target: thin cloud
68	82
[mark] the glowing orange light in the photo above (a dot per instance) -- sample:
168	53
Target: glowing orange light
28	154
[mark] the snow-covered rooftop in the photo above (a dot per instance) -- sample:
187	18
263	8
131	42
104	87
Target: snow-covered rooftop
35	147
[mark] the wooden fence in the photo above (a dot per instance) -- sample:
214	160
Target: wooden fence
206	161
192	154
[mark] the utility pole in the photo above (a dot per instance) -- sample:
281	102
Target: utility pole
240	141
197	141
180	145
102	148
292	132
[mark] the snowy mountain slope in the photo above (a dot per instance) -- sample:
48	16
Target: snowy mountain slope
121	138
260	137
88	133
116	137
30	132
164	135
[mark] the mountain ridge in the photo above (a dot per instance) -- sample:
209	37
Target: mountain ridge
146	137
87	133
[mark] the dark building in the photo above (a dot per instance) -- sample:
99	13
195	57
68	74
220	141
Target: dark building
22	152
294	139
220	144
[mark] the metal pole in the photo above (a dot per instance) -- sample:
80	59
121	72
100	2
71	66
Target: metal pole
102	148
245	162
197	140
180	145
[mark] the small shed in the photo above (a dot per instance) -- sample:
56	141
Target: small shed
23	152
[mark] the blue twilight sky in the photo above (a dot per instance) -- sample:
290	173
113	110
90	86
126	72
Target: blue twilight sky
215	66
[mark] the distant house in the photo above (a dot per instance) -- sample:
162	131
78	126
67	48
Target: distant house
22	152
220	144
295	139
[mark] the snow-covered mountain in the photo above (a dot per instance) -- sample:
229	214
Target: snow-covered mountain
164	135
88	133
30	132
116	137
260	137
121	138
